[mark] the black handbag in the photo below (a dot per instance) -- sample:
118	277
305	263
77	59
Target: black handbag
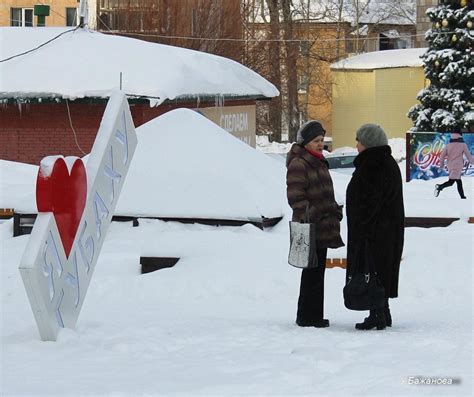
364	290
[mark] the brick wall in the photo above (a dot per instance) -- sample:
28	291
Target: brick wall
29	132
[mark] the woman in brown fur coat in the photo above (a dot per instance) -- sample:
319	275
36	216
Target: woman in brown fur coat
310	194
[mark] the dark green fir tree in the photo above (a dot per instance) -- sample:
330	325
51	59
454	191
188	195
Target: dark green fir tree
446	104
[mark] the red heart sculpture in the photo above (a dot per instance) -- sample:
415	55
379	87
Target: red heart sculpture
64	195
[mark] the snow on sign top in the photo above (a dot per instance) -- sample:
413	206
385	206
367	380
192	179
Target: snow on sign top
85	63
382	59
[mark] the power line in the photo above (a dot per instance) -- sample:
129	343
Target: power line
38	47
72	128
114	32
260	40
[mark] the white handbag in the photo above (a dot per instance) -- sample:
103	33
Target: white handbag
302	245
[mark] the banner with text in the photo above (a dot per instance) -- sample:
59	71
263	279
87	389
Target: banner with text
425	151
240	121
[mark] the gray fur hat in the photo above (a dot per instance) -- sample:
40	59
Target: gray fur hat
371	135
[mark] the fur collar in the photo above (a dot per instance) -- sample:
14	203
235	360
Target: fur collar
372	156
299	151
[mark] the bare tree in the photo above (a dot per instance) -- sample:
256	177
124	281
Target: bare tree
291	59
275	108
202	25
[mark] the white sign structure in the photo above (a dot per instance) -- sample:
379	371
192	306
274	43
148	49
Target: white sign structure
56	275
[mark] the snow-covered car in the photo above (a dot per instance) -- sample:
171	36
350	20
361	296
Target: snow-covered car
342	160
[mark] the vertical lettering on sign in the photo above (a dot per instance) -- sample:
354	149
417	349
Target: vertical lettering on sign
57	312
110	173
100	213
121	136
51	262
73	279
87	249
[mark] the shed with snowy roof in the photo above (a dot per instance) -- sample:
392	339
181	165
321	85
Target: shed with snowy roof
375	87
55	84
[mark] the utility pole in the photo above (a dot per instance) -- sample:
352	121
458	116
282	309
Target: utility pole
83	12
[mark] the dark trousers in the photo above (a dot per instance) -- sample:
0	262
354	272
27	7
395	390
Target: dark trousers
311	299
450	182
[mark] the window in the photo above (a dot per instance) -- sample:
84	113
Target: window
21	17
71	16
392	39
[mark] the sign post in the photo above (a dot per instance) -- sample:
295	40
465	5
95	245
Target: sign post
75	205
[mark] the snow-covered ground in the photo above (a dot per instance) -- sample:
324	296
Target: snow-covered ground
221	322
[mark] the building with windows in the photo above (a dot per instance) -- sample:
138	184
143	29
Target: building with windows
315	76
329	31
21	12
376	87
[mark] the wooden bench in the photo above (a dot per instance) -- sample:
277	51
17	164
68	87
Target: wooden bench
336	262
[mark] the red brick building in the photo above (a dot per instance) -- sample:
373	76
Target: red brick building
37	119
32	131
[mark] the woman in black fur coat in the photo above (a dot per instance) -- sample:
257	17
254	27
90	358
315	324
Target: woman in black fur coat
375	216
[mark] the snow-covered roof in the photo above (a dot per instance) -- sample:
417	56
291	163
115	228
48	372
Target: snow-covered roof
85	63
388	12
382	59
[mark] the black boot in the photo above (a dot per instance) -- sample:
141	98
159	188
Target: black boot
376	319
388	316
321	323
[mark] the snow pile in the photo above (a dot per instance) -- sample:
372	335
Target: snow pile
101	62
185	166
398	146
18	186
382	59
265	146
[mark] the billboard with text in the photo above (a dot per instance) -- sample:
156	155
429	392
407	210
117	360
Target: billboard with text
425	150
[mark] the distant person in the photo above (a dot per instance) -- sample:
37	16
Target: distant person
454	152
326	148
310	194
375	217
